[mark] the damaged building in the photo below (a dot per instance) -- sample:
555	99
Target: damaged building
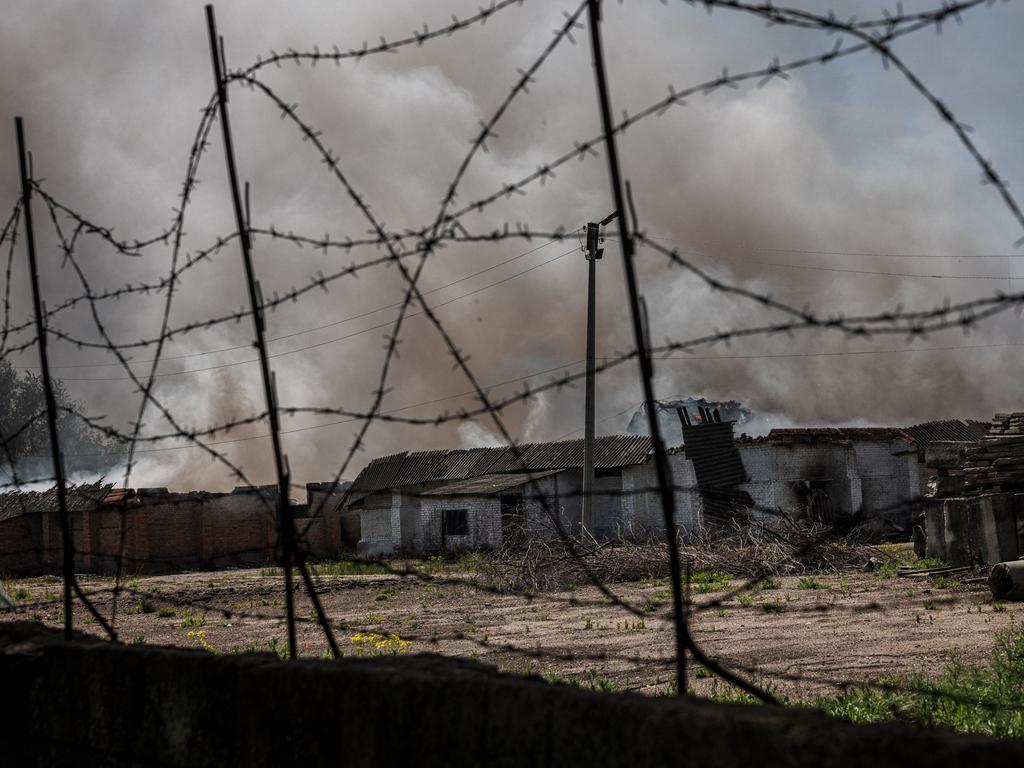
153	529
457	499
412	503
428	501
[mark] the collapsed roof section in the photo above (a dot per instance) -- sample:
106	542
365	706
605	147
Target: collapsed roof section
79	498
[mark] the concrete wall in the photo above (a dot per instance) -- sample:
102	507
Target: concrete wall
90	703
976	530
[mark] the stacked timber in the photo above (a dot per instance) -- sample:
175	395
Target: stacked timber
991	465
996	463
1007	424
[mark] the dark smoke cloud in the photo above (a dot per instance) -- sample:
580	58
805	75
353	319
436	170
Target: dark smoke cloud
840	158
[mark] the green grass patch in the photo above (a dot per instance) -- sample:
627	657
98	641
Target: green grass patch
705	582
809	582
591	680
349	568
387	593
987	699
896	556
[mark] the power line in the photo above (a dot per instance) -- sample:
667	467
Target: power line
841	354
569	365
895	255
885	274
350	420
308	330
340	338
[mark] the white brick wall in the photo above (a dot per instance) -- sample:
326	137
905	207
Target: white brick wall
642	514
483	516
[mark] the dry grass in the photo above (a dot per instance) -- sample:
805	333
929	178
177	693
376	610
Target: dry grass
752	550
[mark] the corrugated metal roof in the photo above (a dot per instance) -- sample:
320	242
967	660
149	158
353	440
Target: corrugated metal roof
419	467
487	460
458	465
487	484
404	469
79	498
717	465
953	430
378	474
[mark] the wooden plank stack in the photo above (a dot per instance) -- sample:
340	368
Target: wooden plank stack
996	463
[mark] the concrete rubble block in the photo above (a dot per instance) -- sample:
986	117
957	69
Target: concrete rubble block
956	546
999	527
940	487
984	543
946	454
935	530
1018	514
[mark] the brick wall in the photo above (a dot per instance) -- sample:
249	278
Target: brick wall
641	508
21	544
483	516
158	531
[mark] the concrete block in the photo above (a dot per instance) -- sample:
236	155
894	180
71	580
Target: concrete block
935	530
947	454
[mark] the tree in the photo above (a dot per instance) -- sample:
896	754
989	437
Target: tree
24	434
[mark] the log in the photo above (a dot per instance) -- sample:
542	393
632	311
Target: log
1006	580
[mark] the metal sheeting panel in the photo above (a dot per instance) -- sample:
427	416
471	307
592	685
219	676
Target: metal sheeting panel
458	465
487	484
717	465
952	430
419	468
410	469
609	452
487	461
378	474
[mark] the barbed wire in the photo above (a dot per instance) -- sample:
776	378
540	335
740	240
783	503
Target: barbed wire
418	38
419	245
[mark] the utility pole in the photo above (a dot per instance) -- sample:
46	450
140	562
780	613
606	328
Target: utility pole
593	253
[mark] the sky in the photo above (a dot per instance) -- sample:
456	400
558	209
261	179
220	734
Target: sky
837	188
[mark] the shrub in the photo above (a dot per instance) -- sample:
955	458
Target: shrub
809	582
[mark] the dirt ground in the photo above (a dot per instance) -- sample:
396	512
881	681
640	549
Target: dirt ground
799	637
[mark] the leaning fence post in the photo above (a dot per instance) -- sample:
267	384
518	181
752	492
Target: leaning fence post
67	544
285	528
285	522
